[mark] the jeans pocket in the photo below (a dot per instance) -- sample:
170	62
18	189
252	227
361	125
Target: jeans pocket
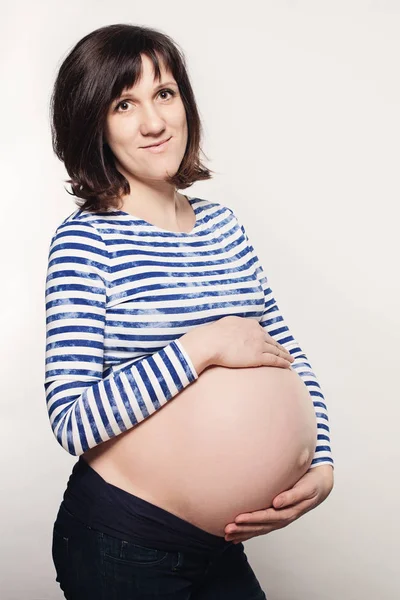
60	551
129	553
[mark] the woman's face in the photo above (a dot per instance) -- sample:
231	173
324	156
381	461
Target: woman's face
147	114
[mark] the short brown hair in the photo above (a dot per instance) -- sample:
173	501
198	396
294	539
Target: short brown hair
94	73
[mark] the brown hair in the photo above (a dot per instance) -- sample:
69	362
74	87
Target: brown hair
95	72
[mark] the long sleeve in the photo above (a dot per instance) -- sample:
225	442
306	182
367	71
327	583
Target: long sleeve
85	408
273	321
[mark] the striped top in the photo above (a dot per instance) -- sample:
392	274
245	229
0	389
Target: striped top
120	292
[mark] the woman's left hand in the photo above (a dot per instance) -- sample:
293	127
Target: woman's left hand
312	489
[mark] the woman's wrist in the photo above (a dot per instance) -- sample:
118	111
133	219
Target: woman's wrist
197	344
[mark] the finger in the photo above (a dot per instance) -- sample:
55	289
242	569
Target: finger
279	518
252	532
242	538
244	529
294	497
241	529
283	351
273	360
263	517
238	529
276	350
271	524
238	538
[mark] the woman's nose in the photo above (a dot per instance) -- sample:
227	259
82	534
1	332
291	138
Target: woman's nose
151	121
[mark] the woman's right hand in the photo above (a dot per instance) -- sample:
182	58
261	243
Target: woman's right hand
243	342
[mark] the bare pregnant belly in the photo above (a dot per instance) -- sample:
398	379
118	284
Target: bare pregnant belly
226	444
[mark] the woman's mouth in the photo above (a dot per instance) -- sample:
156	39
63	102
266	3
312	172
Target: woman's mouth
159	148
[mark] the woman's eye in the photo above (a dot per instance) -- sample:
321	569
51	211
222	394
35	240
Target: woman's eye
171	92
120	104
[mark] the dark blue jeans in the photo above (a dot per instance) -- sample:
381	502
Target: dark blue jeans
92	565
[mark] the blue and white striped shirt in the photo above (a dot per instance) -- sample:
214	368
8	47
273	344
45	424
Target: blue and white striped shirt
120	292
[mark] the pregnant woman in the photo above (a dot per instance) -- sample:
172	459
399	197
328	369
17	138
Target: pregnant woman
170	370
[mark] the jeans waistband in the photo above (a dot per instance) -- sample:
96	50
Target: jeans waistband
114	511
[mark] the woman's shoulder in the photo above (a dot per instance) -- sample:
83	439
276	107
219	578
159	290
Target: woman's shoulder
212	207
83	221
78	232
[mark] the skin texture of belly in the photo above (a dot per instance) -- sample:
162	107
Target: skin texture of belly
226	444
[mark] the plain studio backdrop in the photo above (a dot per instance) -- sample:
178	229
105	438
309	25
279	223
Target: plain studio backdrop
300	108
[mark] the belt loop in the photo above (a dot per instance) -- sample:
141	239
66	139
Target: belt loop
179	562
